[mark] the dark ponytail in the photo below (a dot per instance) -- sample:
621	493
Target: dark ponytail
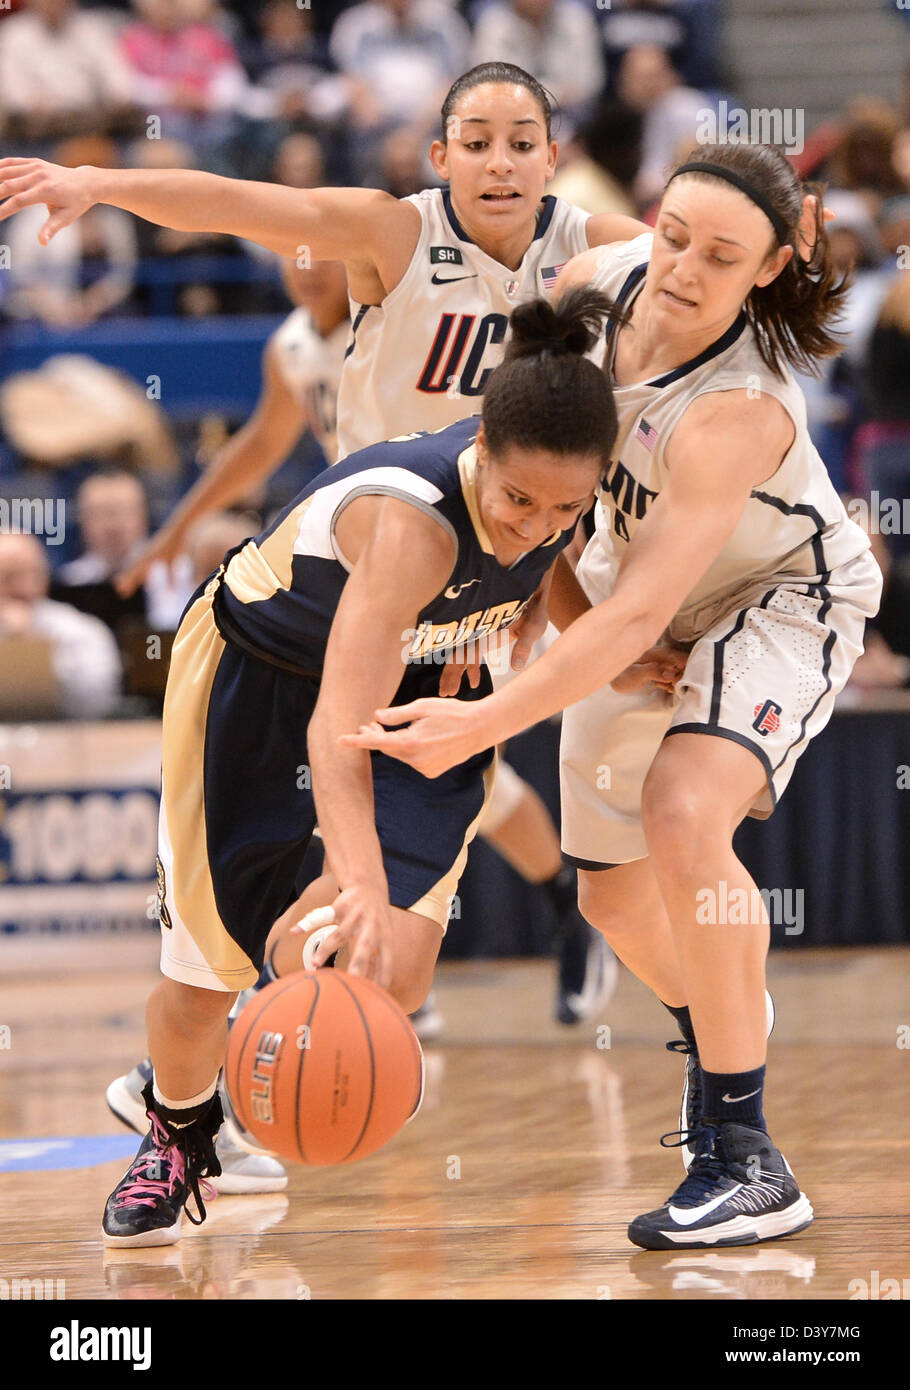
547	394
793	316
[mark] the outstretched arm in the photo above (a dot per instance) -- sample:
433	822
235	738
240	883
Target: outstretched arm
356	225
693	518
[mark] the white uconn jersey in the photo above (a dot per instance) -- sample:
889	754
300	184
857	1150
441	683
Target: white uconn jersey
311	367
422	358
794	525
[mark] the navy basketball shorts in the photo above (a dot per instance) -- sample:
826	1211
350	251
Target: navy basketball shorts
237	810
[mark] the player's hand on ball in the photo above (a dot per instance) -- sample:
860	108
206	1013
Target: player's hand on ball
440	734
65	192
361	918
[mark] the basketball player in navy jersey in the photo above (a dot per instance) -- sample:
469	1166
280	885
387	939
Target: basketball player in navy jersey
405	552
719	532
301	369
433	279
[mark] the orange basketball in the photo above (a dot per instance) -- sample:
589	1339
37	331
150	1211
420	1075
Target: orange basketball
323	1067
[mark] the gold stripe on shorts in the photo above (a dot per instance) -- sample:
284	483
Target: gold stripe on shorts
194	661
437	903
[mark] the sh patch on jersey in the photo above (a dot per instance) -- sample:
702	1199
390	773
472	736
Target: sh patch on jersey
445	255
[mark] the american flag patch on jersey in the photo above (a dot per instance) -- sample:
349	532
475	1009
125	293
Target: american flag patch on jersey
647	434
548	274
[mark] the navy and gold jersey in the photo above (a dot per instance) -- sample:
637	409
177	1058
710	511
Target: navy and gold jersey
281	588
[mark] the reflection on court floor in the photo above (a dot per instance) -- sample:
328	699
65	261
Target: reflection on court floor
535	1147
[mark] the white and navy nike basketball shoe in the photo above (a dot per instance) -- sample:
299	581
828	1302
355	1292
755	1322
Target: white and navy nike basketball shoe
739	1190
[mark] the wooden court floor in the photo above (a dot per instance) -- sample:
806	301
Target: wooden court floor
533	1150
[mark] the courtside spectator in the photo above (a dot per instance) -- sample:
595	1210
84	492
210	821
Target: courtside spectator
299	162
185	72
900	157
557	40
83	654
212	537
291	64
597	170
648	82
627	24
61	70
88	269
884	447
863	160
402	166
402	55
833	393
887	436
894	229
112	512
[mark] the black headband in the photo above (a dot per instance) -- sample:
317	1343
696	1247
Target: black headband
759	199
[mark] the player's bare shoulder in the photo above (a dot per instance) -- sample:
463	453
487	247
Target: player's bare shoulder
582	269
380	526
391	231
741	424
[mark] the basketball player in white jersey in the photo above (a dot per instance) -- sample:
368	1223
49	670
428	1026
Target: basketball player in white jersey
720	538
433	279
301	370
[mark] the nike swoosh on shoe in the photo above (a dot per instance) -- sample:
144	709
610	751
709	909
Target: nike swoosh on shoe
687	1216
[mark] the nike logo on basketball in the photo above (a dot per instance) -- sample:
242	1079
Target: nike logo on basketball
731	1100
450	279
455	589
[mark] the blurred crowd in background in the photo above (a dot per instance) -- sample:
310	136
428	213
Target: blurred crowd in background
340	93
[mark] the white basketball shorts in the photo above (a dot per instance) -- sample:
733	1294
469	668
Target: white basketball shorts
765	676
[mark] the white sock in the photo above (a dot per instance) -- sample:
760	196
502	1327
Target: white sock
184	1104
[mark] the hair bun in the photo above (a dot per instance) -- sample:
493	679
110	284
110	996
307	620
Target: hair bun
572	325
